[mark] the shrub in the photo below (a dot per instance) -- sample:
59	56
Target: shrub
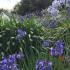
23	37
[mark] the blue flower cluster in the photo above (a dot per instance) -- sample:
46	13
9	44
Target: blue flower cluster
53	10
43	65
8	63
20	34
58	49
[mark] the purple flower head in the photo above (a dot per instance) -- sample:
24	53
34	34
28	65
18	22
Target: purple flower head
53	52
11	58
46	43
42	65
59	44
56	52
58	49
52	24
8	63
20	34
4	61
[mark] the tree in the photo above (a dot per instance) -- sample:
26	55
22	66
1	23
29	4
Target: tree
28	6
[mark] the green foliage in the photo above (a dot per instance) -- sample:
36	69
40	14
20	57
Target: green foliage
31	45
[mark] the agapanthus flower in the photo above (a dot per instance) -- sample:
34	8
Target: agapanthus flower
53	51
20	34
59	44
43	65
56	4
58	49
8	64
11	58
46	43
18	56
52	24
53	10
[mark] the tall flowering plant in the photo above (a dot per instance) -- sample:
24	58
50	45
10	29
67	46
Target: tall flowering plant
22	37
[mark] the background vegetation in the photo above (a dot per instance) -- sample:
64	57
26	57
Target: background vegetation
28	6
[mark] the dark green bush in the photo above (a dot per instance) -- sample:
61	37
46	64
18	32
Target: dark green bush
30	44
28	6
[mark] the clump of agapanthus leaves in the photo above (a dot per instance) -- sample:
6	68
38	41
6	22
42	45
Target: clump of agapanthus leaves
43	65
9	63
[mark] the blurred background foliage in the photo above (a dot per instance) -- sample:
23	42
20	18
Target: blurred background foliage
28	6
